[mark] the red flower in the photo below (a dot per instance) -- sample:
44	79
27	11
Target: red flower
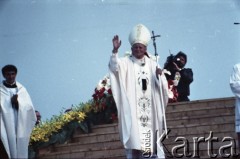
109	91
174	91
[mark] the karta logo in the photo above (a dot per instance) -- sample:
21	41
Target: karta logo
182	147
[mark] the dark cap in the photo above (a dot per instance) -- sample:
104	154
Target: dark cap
180	53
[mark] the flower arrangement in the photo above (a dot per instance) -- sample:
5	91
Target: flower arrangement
101	109
59	128
103	102
43	131
102	91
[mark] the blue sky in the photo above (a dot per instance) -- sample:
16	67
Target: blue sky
62	47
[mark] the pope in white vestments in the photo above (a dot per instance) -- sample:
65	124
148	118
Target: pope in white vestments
235	86
17	115
140	92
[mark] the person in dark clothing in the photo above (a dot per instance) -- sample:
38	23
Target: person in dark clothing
179	78
38	116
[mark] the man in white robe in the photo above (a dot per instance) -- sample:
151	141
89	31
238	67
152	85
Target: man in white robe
235	86
140	92
17	115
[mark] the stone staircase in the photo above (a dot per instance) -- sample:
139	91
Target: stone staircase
103	142
187	122
200	119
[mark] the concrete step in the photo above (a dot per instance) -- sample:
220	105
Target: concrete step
201	104
87	147
186	119
201	129
176	131
100	128
199	113
95	137
110	152
204	119
104	137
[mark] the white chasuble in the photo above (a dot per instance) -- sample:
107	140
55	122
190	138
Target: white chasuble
144	104
136	91
16	125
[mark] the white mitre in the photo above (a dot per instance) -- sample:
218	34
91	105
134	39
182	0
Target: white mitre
139	34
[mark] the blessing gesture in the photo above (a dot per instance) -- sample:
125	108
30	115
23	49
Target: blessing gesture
116	44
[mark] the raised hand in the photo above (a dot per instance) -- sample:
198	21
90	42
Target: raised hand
116	43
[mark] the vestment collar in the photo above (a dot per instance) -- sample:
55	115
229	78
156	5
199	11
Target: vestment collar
14	85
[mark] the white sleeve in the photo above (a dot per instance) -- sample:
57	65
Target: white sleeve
113	63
